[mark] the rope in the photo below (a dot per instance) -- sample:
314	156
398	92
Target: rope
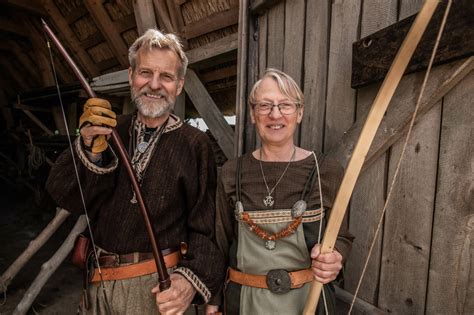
395	176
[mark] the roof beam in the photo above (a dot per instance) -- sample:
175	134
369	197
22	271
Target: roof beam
22	57
211	23
144	15
163	16
71	38
107	27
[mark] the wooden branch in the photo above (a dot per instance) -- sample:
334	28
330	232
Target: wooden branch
216	48
32	248
394	125
108	29
70	37
211	114
369	65
49	267
212	23
144	15
259	6
38	122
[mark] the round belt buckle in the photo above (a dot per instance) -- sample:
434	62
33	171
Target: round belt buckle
278	281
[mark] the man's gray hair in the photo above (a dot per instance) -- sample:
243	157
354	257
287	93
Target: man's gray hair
287	85
153	38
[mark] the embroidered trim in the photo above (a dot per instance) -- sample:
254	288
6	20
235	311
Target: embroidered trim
195	281
91	166
280	216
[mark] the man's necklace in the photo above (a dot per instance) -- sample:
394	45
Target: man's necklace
268	201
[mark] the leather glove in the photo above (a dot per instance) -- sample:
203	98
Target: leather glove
98	112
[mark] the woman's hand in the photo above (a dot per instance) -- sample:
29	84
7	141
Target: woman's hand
325	267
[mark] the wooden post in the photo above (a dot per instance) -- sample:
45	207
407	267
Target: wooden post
144	15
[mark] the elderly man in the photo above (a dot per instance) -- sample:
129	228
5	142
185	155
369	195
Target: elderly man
176	171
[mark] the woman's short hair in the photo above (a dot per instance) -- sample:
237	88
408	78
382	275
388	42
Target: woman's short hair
287	86
153	38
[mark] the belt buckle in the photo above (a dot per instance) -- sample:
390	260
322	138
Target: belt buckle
278	281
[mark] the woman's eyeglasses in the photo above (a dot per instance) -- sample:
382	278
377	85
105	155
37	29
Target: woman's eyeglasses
284	108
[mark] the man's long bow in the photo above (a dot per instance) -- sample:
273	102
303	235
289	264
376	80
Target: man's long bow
366	137
163	277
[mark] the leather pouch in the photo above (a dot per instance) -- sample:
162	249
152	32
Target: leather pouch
81	251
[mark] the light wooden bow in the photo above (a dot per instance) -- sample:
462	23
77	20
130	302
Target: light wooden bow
366	137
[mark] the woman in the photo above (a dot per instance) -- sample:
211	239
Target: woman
269	210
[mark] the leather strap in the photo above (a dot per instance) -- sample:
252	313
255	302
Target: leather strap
298	278
134	270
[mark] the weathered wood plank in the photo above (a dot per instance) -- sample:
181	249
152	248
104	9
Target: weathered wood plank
340	108
451	274
107	27
177	20
408	219
211	114
275	37
144	15
211	23
219	47
294	41
246	54
369	65
161	12
315	74
397	118
125	23
259	6
369	195
262	43
83	57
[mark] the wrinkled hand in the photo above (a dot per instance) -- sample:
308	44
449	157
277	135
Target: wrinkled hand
325	267
177	298
95	124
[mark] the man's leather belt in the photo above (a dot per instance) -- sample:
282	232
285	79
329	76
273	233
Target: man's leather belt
277	280
133	270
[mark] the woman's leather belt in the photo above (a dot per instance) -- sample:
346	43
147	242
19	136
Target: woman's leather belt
133	270
276	280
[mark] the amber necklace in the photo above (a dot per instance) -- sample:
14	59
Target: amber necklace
268	201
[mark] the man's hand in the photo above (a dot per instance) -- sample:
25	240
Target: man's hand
95	124
325	267
177	298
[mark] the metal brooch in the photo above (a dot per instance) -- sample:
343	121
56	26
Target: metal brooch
298	209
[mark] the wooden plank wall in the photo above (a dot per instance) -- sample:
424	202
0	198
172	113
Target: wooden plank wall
423	258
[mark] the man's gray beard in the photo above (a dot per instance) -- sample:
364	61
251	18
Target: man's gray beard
154	110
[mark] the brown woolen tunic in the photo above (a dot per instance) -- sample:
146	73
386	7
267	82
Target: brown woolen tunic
178	186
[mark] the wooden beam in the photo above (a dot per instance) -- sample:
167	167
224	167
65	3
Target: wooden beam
259	6
360	305
163	16
92	40
13	27
33	7
370	65
16	76
108	29
71	39
211	114
213	49
126	23
22	57
212	23
177	20
144	15
31	108
219	74
395	124
76	14
38	122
